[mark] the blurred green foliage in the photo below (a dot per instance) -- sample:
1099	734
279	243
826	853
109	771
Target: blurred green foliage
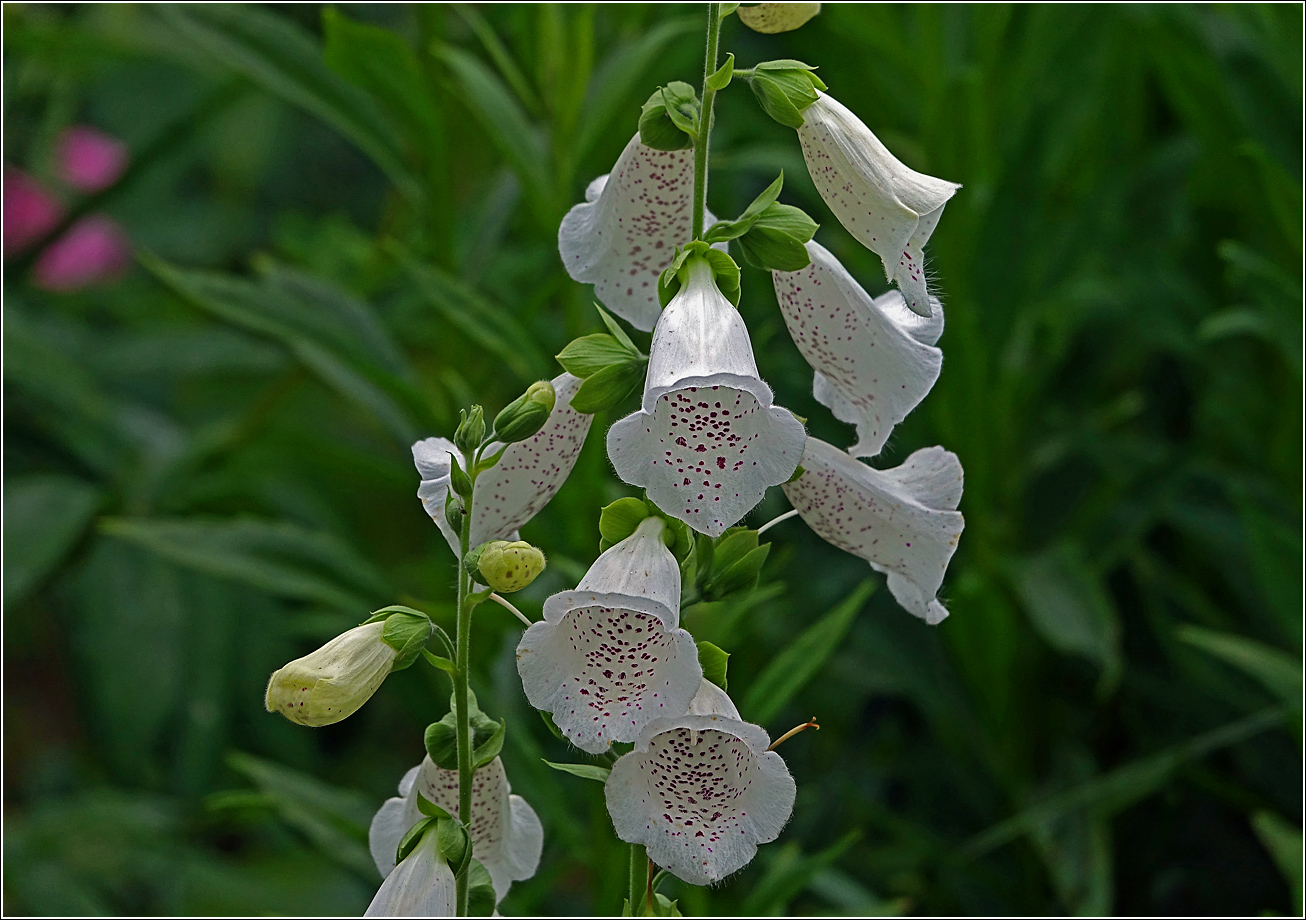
346	226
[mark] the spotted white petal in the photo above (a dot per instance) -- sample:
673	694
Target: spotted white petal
872	366
708	441
421	886
628	228
887	207
903	521
777	17
506	834
700	792
524	480
610	657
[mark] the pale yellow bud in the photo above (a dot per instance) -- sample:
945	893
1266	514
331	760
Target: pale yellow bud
777	17
335	681
508	567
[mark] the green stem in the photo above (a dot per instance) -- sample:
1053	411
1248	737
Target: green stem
638	873
460	679
705	119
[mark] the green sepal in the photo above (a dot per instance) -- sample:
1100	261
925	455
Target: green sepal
742	576
409	841
459	480
454	843
481	899
798	473
714	662
437	661
430	809
669	119
583	770
730	564
609	386
724	269
487	751
776	240
784	88
721	79
622	518
589	354
724	230
727	9
664	906
406	633
471	430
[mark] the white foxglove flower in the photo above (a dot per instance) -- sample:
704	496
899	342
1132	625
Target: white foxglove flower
610	657
626	231
903	521
506	833
422	885
889	208
701	791
333	682
527	476
708	441
874	359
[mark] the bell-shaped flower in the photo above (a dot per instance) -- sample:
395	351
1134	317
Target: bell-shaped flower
903	521
874	359
887	207
333	682
626	231
506	833
708	441
527	476
701	791
423	885
610	656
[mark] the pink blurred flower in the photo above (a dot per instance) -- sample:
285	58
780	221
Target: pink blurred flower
94	249
90	160
30	212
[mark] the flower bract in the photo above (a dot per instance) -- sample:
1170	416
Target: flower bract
708	441
903	521
527	476
610	656
887	207
874	359
506	833
701	791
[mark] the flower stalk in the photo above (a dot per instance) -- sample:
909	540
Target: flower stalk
460	679
705	118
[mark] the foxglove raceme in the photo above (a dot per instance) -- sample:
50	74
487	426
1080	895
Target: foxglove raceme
887	207
903	521
506	833
701	791
874	359
626	231
610	656
708	441
523	481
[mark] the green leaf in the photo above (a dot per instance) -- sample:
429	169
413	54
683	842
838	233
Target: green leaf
775	241
454	842
609	387
789	671
1276	671
490	748
620	519
617	332
583	770
741	575
668	119
714	662
282	58
444	664
724	230
1285	845
409	841
551	725
590	354
44	517
429	808
721	78
481	898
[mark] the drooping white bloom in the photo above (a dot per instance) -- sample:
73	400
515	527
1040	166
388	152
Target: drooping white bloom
333	682
887	207
874	359
627	229
610	657
421	886
506	833
708	441
903	521
701	791
527	476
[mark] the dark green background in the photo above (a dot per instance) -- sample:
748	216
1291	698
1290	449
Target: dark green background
207	469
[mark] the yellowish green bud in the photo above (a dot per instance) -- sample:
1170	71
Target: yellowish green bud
526	414
777	17
335	681
508	567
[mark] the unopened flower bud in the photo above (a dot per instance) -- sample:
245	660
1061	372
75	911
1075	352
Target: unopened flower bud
471	431
335	681
508	567
526	414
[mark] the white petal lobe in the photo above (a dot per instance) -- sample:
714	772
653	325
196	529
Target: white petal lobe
421	886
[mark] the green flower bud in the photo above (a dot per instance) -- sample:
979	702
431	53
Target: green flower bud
471	430
526	414
508	567
335	681
667	120
784	89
